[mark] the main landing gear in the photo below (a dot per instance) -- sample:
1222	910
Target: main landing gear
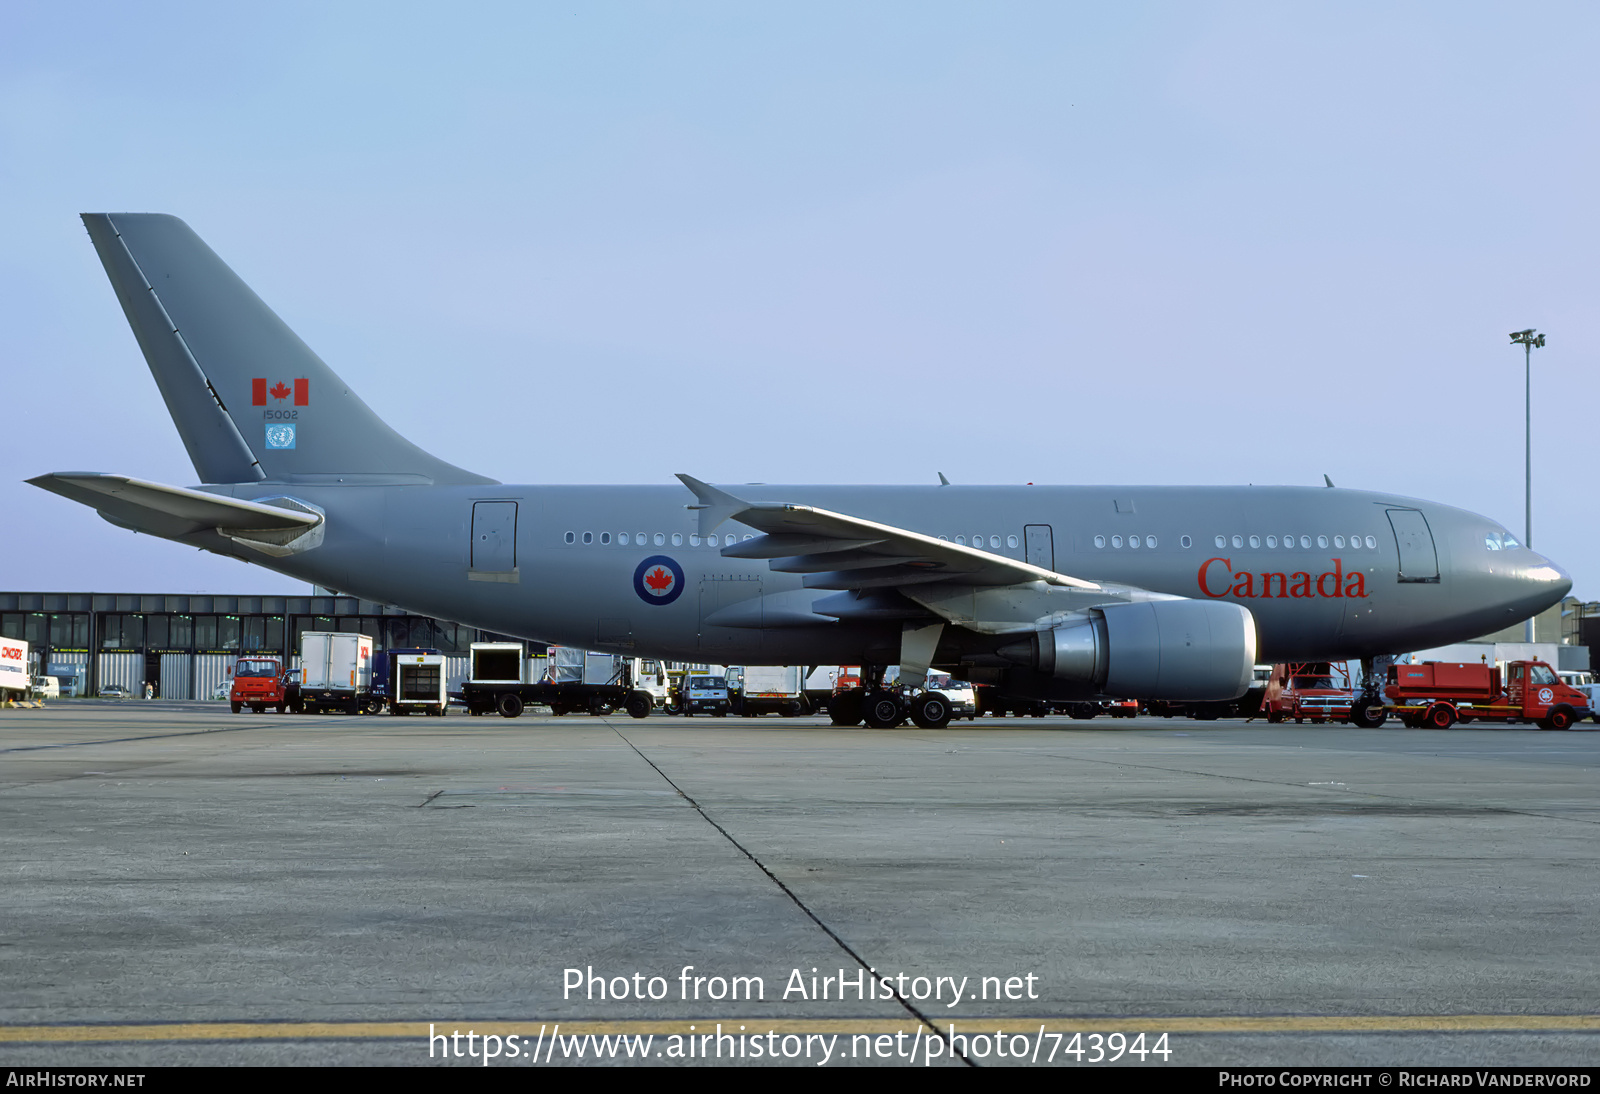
885	707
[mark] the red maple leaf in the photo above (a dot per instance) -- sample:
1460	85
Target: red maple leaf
279	392
659	579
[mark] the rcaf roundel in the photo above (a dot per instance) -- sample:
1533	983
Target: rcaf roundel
658	580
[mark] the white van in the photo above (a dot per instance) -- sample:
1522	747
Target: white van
46	687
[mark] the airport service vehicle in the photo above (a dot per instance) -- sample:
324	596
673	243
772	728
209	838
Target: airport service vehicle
257	684
769	688
571	680
706	693
1309	691
1045	594
1584	682
336	673
963	698
14	679
46	687
411	681
115	691
1438	694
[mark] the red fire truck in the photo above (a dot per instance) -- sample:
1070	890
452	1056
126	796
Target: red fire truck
1438	694
257	684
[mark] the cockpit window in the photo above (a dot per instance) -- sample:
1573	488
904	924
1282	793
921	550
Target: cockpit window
1492	541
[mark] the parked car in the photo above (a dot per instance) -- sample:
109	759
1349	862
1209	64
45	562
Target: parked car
115	691
46	687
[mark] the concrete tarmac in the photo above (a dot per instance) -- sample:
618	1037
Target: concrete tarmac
182	885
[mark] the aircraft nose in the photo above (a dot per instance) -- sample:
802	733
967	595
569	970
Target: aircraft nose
1539	583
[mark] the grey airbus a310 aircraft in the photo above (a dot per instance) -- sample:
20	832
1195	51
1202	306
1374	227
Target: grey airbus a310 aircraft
1046	592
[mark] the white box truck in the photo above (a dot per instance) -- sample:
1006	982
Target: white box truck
336	673
14	678
764	688
417	682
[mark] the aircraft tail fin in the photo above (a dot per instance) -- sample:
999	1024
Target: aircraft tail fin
250	399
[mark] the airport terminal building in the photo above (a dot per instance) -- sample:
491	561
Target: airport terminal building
183	646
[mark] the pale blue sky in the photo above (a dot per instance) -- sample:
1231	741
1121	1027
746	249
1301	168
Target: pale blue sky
1164	243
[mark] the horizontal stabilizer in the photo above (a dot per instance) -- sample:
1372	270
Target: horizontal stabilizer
173	512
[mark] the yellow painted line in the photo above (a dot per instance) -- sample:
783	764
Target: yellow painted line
360	1031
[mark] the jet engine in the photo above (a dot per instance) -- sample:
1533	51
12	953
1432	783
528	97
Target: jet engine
1157	649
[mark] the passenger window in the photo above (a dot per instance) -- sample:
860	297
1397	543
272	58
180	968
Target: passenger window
1238	541
1338	541
622	538
1133	541
1222	541
1116	541
944	539
749	537
1099	541
694	539
1149	541
1372	544
994	541
1355	541
1322	541
1011	541
571	538
660	539
677	539
961	540
605	537
588	537
640	538
1255	541
1305	541
1186	541
1272	541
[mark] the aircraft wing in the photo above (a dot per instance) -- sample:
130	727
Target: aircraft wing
838	551
175	511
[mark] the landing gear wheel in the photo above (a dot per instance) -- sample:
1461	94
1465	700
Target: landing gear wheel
639	705
930	710
1368	714
845	708
883	710
1082	711
1440	716
509	704
236	707
1560	717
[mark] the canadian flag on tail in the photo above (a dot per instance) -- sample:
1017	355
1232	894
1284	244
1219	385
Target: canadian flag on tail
279	391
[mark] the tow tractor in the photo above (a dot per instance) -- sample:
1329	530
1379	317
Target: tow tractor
1438	694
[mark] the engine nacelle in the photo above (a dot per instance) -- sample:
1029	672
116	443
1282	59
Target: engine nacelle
1155	649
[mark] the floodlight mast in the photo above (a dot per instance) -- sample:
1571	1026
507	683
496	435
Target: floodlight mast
1529	340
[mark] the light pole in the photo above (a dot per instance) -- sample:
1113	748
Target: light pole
1528	340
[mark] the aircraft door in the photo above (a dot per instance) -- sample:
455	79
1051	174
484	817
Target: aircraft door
1041	546
494	536
1419	561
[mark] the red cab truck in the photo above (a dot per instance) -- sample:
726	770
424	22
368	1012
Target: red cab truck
257	684
1438	694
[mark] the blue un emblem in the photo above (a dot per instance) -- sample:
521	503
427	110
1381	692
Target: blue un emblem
280	436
